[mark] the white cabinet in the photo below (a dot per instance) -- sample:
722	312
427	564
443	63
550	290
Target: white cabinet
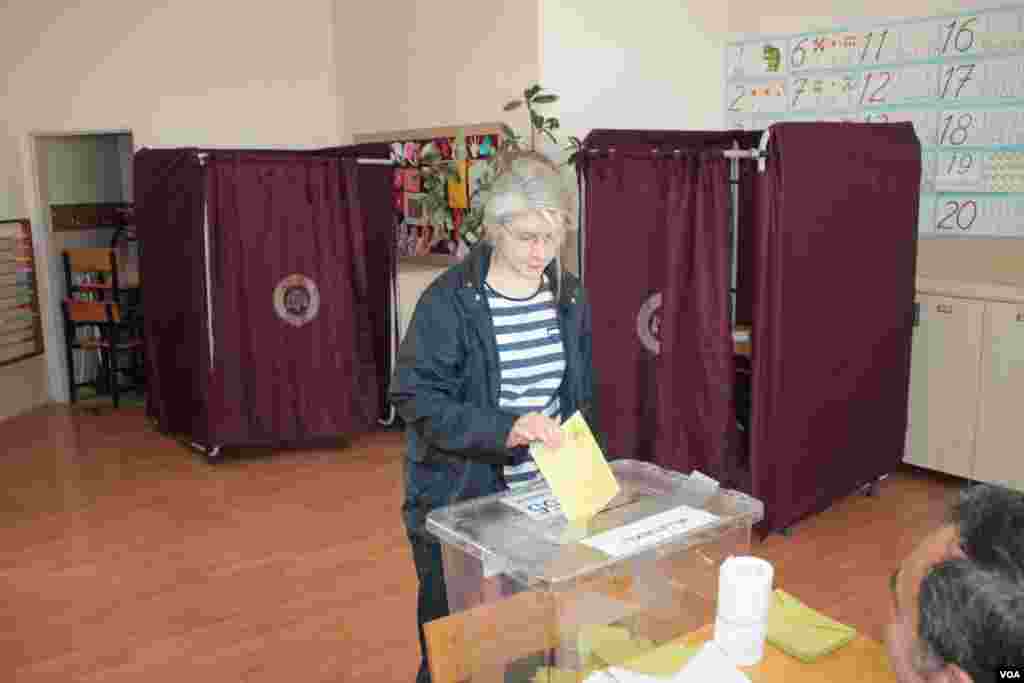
999	446
944	383
967	382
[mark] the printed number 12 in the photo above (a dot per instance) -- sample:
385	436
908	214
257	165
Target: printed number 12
875	97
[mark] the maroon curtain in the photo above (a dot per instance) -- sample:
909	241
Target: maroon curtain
624	269
656	269
834	260
695	366
372	186
169	220
279	221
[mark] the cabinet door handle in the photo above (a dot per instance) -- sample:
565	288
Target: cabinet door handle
1020	317
944	308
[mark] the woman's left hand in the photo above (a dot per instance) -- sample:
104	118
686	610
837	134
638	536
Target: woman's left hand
535	427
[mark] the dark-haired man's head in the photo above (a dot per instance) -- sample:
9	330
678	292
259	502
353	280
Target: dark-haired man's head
958	598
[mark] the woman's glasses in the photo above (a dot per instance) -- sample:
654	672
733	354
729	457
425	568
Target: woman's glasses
527	238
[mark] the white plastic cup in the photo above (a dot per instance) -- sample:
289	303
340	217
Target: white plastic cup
744	598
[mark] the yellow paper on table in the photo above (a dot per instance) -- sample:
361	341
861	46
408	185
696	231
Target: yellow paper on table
802	632
613	645
577	473
664	661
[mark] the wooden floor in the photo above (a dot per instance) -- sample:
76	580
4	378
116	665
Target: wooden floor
126	557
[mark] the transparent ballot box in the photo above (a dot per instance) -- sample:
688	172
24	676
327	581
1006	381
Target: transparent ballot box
535	597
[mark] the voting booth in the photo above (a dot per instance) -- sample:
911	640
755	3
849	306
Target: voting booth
640	573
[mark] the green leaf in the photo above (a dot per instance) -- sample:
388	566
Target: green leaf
508	132
537	120
545	99
531	91
551	136
552	124
514	104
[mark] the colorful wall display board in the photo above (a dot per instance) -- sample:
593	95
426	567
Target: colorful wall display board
417	194
958	78
21	334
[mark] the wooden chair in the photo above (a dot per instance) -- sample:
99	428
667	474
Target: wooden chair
109	334
92	274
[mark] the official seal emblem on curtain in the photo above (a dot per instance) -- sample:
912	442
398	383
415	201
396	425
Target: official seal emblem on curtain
648	323
296	300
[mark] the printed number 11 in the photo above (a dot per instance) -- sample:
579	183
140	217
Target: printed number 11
867	45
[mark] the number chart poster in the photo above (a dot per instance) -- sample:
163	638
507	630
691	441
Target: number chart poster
958	78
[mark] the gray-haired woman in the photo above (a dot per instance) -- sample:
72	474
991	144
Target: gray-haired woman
497	354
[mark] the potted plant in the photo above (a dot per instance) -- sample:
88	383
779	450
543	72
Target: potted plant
461	231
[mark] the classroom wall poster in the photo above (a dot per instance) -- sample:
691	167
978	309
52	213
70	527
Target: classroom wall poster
958	78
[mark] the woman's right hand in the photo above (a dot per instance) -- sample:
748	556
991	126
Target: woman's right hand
535	427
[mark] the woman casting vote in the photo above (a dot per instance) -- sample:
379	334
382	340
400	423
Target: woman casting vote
497	354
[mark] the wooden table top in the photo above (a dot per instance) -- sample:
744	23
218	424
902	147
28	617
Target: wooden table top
862	660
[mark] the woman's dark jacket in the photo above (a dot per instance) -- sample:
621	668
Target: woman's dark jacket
447	379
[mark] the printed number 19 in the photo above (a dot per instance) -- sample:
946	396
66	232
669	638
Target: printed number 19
960	162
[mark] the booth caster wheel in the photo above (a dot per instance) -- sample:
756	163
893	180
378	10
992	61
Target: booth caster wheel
390	419
210	453
874	489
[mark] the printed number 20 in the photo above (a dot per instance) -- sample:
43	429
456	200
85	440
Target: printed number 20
959	214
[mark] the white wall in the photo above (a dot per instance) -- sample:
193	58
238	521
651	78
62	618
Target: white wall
12	193
187	73
651	64
792	16
191	72
23	385
411	64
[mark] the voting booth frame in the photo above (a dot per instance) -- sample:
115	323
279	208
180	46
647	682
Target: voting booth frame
551	600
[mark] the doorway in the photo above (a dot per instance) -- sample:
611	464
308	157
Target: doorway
83	183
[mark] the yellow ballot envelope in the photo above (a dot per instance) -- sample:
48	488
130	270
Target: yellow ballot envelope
577	473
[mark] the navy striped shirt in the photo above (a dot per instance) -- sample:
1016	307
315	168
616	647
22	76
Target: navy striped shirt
532	361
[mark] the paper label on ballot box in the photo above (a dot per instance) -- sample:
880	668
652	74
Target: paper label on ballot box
540	503
650	531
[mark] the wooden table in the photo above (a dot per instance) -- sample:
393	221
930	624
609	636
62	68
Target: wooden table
475	644
862	660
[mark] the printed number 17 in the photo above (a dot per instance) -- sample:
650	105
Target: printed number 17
964	72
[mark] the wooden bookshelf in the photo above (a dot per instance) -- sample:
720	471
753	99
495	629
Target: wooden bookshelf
90	216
